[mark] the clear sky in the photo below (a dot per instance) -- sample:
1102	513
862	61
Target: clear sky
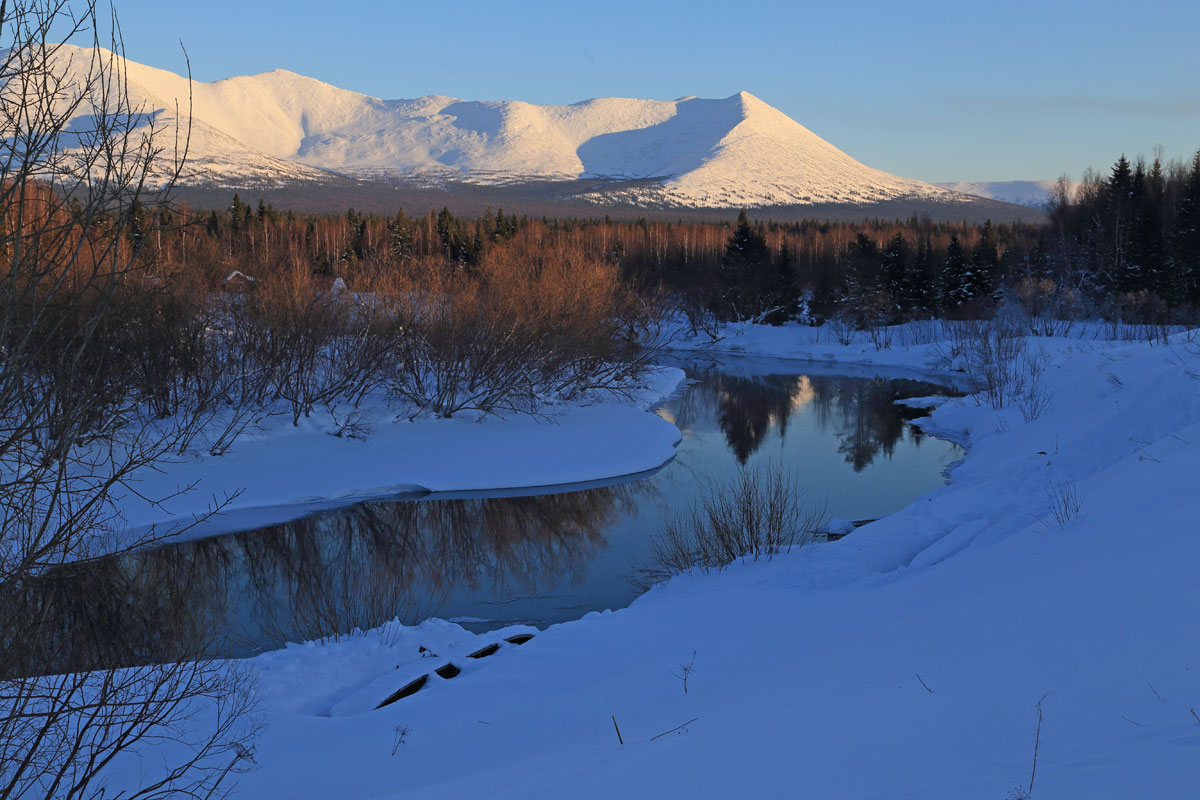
931	90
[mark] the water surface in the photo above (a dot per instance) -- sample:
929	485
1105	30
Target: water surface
548	556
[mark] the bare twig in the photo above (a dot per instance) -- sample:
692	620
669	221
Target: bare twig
685	671
676	728
1037	742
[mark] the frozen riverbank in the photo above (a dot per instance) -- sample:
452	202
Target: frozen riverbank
905	660
283	471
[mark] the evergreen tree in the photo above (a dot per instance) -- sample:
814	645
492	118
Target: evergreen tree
1120	186
404	236
489	225
137	225
783	288
1148	244
744	272
449	230
956	279
822	302
920	284
1185	238
1120	181
985	266
895	275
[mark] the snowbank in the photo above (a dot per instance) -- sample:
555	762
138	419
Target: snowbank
282	472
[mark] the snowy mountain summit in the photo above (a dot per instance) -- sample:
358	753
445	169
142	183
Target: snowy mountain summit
280	127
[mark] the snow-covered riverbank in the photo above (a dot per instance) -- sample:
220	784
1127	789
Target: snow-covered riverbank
906	660
282	471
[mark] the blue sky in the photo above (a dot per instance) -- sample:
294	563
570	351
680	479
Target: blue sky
930	90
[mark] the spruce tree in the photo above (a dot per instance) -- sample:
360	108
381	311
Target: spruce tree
449	230
744	274
985	265
1185	238
1119	188
825	291
239	213
137	224
956	279
403	233
920	283
783	288
1148	244
895	276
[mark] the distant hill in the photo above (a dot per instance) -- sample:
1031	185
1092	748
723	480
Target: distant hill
1034	194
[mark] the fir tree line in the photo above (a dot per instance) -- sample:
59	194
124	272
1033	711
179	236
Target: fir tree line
1129	239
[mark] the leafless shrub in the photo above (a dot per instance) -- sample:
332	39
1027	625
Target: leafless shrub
400	737
685	670
1051	308
960	338
701	320
920	332
843	328
996	358
882	335
354	424
1033	396
755	515
1065	504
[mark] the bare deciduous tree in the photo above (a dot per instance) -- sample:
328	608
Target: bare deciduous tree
84	175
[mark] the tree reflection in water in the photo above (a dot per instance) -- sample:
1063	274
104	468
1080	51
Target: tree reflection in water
861	412
322	576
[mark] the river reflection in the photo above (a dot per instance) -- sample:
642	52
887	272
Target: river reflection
862	412
491	561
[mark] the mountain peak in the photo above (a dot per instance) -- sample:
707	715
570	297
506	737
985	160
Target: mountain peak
692	152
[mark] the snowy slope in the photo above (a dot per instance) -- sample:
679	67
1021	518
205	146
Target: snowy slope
1034	194
906	660
705	153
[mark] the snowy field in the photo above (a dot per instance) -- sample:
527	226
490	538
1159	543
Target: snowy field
906	660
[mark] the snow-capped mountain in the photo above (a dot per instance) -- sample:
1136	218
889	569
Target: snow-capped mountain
1034	194
279	127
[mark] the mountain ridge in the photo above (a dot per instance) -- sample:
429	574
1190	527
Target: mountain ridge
279	127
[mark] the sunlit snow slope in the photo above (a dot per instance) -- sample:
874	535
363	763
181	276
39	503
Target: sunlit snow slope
734	151
1023	193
